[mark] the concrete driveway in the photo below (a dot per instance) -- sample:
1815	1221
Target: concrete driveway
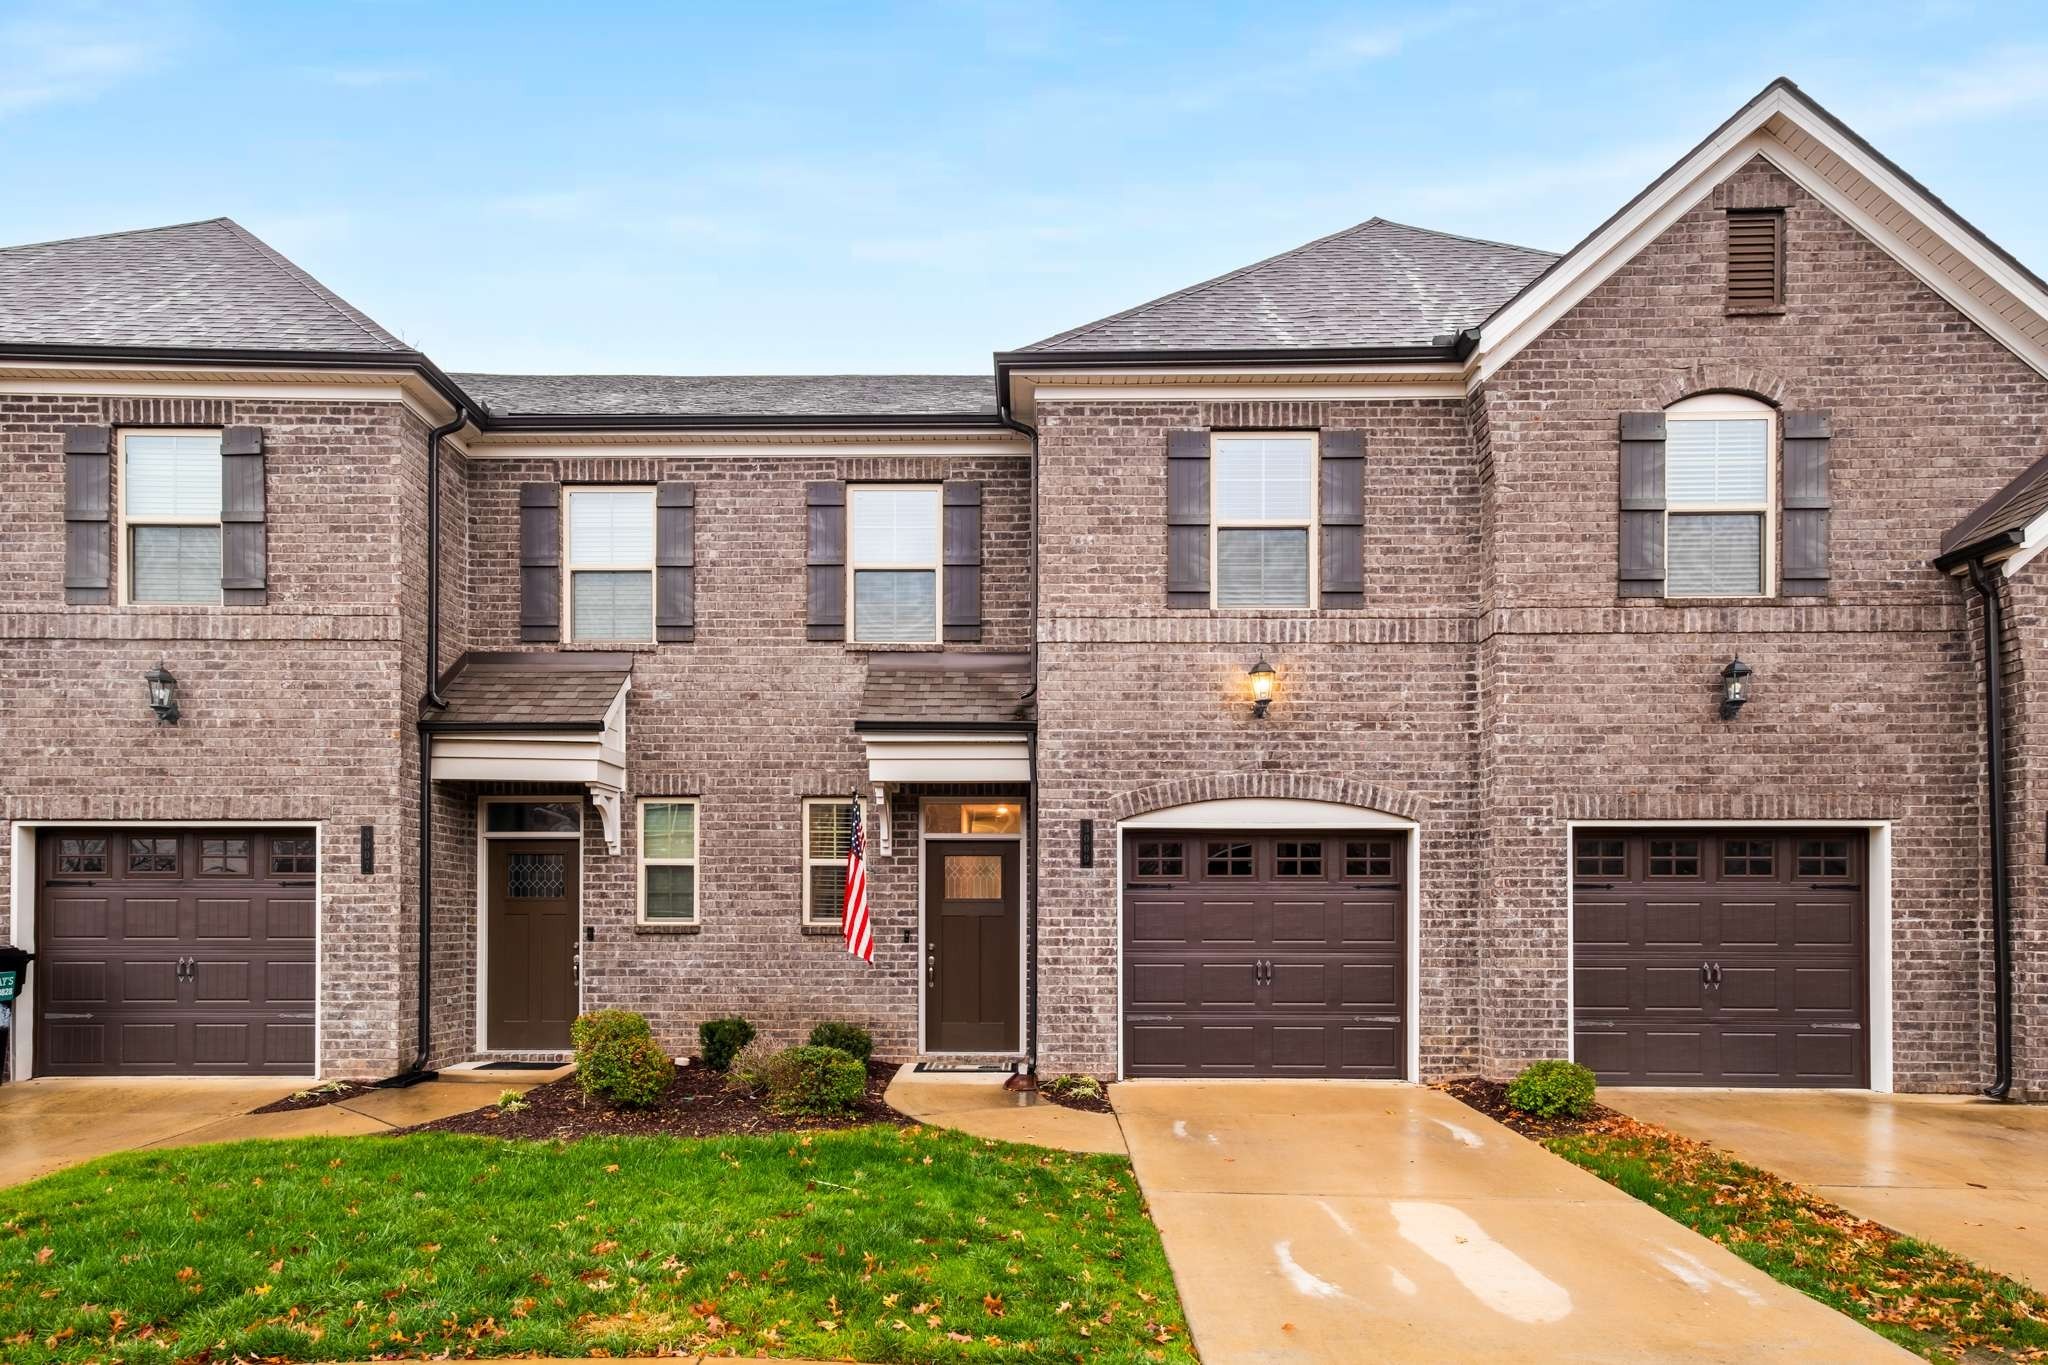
52	1122
1961	1172
1340	1222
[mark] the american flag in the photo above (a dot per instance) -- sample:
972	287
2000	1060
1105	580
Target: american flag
860	936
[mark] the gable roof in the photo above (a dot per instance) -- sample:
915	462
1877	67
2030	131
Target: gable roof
530	690
2000	521
1379	284
1830	161
756	395
211	284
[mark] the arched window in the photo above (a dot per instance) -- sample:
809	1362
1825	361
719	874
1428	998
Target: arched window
1720	520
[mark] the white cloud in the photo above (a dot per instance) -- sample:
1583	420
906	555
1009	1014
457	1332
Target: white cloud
74	53
370	77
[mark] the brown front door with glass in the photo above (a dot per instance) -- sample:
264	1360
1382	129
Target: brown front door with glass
970	945
531	936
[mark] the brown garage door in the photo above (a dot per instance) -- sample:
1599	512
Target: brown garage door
1721	957
1264	954
163	951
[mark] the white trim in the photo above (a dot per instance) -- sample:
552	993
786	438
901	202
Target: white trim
641	862
1878	940
23	890
937	756
807	862
1282	813
740	445
62	379
481	1039
1454	388
2033	539
1788	132
1023	919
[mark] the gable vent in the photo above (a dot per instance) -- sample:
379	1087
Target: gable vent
1756	262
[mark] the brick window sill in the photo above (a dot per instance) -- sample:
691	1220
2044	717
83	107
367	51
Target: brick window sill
822	930
661	930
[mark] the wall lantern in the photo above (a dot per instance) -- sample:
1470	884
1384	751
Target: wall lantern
1263	677
163	694
1734	687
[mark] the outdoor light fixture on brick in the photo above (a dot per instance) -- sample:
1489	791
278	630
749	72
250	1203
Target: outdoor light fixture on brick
1734	687
1263	678
163	694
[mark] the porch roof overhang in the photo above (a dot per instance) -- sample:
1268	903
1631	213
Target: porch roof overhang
947	716
537	716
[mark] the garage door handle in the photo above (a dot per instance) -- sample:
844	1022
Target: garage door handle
1834	886
1148	1018
1148	886
1592	886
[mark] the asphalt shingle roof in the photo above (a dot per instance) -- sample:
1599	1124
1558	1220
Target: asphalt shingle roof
2009	509
207	284
765	395
568	688
1376	284
946	688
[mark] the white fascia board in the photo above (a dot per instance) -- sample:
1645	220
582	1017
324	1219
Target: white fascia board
66	379
731	444
1594	261
2033	539
938	757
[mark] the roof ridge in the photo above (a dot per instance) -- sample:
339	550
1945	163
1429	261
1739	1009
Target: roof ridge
1200	285
121	232
343	309
1476	241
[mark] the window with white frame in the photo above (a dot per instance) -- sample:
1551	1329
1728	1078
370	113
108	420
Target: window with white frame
170	505
1262	514
828	832
610	560
668	861
1718	522
893	562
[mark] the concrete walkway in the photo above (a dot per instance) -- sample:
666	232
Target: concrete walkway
975	1102
52	1122
1966	1174
1343	1222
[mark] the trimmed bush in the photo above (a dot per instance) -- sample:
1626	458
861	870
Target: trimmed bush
1074	1086
851	1039
601	1026
815	1080
1553	1089
749	1070
631	1072
720	1040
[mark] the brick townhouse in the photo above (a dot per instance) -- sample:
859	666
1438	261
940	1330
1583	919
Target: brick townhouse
1405	656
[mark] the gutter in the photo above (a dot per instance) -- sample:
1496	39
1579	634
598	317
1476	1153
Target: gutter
1028	1081
2001	877
430	703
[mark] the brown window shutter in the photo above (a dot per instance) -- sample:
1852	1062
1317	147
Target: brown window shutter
675	562
1342	488
243	541
88	512
1806	504
1641	571
825	561
1756	260
1187	519
540	562
963	560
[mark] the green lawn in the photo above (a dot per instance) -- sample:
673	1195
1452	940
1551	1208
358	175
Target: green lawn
1926	1299
874	1244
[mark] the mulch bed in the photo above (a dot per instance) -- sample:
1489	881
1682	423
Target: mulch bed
329	1092
697	1105
1491	1099
1087	1104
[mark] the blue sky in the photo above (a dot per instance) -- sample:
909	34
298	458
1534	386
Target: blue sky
811	188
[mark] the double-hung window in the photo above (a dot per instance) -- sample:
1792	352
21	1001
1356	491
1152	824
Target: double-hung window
668	861
828	832
170	504
1718	497
893	562
610	559
1262	500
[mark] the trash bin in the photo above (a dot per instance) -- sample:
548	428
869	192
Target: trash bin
13	977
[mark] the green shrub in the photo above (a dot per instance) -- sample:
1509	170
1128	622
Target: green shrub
815	1080
510	1102
851	1039
1552	1090
630	1072
1075	1086
601	1026
749	1070
720	1040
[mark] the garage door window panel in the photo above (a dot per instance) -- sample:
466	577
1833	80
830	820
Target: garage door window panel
1161	859
224	857
1748	858
1369	859
1225	858
1298	858
1674	857
292	856
152	856
82	857
1826	858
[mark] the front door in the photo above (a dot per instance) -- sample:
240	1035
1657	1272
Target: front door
970	946
531	931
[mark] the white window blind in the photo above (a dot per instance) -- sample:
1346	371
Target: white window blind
668	861
1259	568
611	563
175	563
1721	461
608	526
173	476
894	553
895	526
1715	555
1263	478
